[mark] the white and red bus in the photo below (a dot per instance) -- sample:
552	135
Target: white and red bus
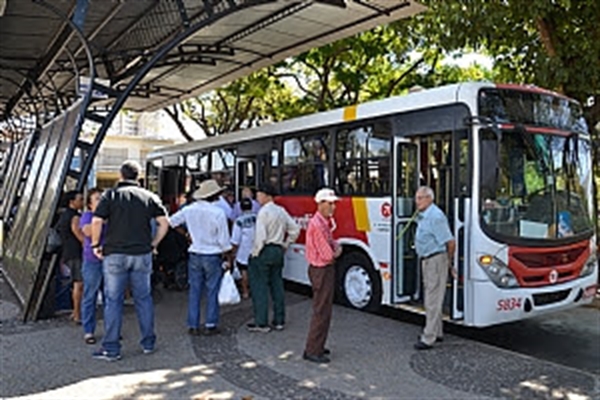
510	165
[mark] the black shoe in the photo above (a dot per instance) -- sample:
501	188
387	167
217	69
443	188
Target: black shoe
422	346
326	351
194	331
316	359
211	331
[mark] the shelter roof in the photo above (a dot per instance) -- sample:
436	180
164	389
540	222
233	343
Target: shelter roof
41	60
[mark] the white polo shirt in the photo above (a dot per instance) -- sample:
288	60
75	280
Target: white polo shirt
207	225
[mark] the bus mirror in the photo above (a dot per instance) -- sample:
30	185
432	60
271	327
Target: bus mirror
490	157
497	131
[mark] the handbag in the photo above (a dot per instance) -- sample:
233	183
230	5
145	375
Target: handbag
228	292
54	242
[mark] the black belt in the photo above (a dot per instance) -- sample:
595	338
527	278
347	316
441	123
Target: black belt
273	245
432	255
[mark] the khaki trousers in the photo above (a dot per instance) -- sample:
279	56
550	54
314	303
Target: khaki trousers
435	275
323	287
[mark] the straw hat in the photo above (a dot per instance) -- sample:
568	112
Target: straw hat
207	189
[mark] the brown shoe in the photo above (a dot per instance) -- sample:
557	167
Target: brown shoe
322	359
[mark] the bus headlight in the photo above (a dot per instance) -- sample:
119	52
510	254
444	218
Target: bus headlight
498	272
588	267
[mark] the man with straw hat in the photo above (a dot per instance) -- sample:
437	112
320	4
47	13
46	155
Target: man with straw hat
209	232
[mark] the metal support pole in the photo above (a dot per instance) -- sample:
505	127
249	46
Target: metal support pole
145	69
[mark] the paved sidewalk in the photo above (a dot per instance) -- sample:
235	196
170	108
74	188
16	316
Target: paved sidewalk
372	358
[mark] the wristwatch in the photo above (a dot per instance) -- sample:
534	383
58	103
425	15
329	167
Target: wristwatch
96	246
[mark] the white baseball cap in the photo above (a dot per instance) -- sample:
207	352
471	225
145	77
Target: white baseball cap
326	195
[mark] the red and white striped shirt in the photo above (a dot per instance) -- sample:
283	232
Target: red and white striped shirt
320	246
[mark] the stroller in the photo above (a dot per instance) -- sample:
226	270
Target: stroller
170	264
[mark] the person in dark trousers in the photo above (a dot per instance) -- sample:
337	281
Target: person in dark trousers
275	232
72	239
321	252
209	231
435	247
127	256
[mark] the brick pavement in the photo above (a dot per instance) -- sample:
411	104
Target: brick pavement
372	358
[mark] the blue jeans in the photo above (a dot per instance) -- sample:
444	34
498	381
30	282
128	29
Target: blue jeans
119	271
92	279
204	272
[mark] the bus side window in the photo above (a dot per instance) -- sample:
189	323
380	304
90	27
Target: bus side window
363	160
306	167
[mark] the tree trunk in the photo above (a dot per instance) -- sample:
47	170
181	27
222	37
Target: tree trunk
174	114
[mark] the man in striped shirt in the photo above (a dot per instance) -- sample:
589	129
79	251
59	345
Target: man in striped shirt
321	252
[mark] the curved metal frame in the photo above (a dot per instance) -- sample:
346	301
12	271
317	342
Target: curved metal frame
84	42
33	292
143	71
34	99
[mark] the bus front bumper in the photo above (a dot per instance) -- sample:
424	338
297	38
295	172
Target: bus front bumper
494	305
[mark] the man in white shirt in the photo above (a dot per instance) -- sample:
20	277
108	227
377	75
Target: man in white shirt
223	204
207	226
275	231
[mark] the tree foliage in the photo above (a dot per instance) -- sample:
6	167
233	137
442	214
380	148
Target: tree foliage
550	43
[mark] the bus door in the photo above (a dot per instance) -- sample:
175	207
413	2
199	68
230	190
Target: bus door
405	183
461	195
171	181
246	174
445	167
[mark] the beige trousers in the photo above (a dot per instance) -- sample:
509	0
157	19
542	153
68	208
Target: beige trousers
435	275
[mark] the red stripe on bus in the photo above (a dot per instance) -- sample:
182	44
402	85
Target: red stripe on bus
302	208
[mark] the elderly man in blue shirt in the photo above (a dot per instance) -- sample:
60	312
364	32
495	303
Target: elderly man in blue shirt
435	247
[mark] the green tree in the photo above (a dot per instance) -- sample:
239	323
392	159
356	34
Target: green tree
372	65
553	44
245	103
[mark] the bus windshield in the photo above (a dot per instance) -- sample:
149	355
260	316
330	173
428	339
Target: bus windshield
535	185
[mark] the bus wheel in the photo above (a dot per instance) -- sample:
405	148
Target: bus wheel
359	285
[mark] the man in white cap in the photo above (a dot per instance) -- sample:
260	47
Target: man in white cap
208	228
321	252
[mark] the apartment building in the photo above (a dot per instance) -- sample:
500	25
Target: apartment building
131	137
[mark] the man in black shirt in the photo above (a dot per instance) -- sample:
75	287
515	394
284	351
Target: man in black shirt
72	238
127	256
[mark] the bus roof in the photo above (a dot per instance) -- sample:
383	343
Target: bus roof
429	98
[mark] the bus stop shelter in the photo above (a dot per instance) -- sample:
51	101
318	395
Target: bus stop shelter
67	62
